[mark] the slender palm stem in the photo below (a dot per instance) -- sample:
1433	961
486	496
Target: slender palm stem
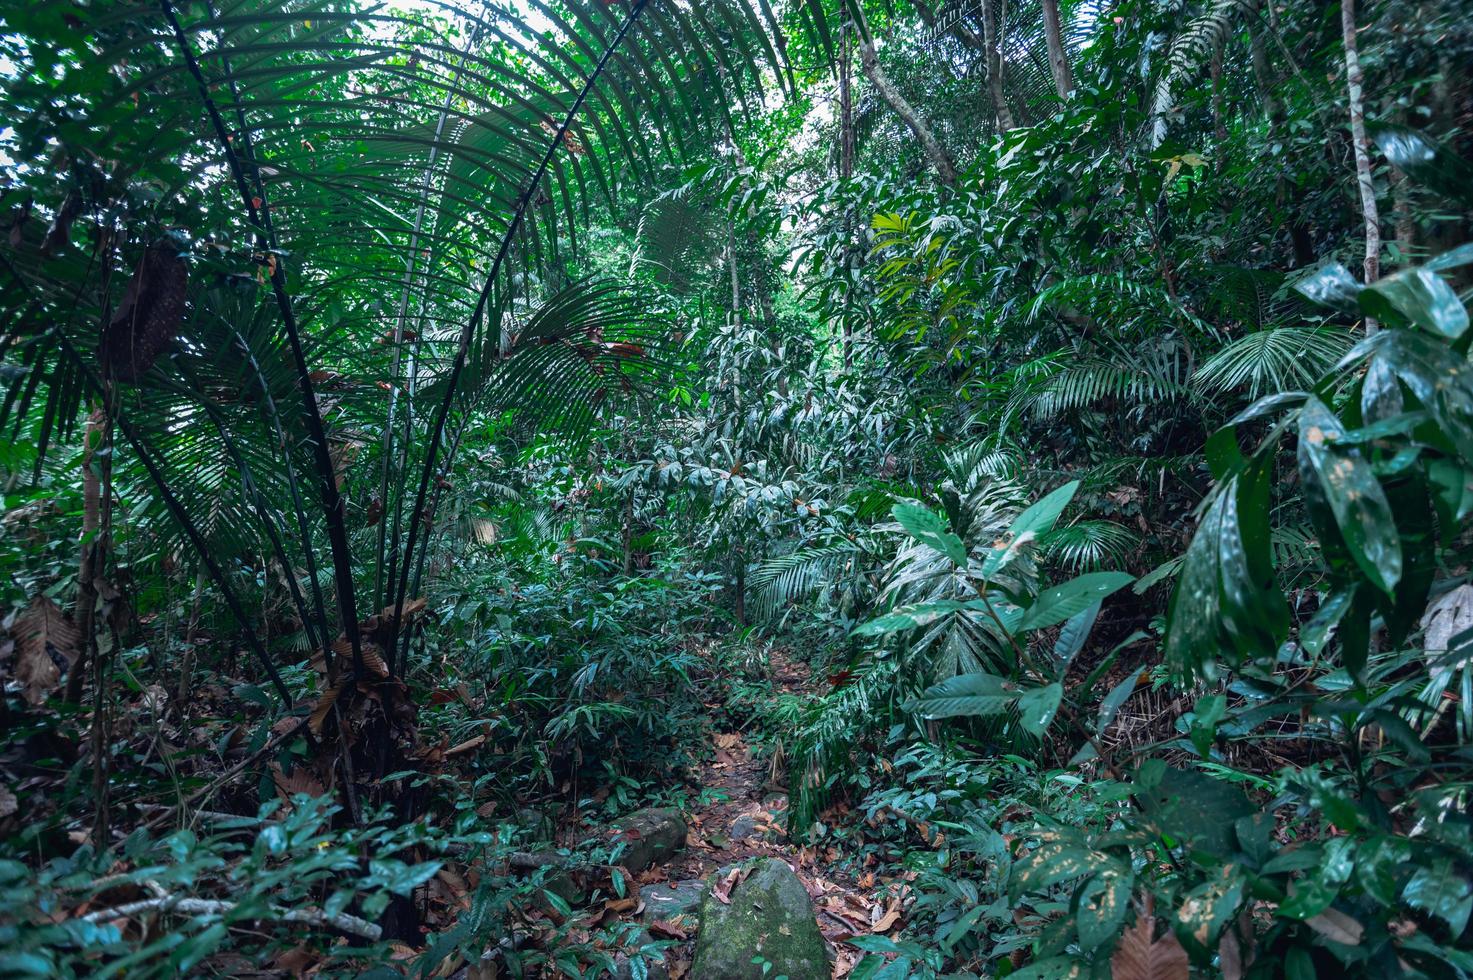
395	373
437	430
258	215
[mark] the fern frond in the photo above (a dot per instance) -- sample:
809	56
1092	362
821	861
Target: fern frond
779	581
1190	51
1091	544
1274	360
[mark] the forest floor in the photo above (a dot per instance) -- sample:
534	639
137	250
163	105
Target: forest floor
743	816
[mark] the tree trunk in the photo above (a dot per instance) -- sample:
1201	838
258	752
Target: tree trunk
994	68
94	436
846	171
869	63
1058	58
1354	82
1262	79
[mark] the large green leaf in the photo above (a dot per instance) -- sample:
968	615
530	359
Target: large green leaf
1332	285
1425	160
1419	296
1352	494
1037	707
1060	602
1191	807
1193	619
1442	890
911	617
1103	902
966	695
1041	515
1439	378
927	527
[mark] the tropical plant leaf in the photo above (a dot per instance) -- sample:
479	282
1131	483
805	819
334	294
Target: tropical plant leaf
1060	602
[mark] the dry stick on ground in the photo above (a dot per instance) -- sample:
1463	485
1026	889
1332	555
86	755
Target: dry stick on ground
1354	82
202	906
234	770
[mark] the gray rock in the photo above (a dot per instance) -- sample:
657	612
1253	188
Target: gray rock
668	899
538	823
750	826
651	836
771	917
558	873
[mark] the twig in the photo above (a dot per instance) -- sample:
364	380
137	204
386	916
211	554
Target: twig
202	906
236	769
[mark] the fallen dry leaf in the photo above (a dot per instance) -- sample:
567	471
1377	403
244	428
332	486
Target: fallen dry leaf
669	929
887	921
721	891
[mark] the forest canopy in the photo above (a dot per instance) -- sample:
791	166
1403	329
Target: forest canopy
736	488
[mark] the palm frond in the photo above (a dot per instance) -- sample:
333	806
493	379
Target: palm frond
1272	360
781	580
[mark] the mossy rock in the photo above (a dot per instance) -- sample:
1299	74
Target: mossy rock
670	899
537	823
770	916
652	836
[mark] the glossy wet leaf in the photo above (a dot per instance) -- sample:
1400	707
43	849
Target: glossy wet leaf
1440	379
1440	889
1354	497
929	529
1207	909
1418	296
1037	707
1104	901
1060	602
1424	160
1193	618
1332	285
1072	636
1042	514
966	695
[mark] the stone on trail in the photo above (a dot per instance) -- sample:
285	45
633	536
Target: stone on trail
770	916
652	836
668	899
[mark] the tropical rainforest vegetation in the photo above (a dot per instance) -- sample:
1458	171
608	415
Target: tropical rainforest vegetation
474	468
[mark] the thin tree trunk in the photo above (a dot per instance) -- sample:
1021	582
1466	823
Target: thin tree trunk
1354	83
628	534
736	283
93	436
846	171
1219	126
1406	228
990	40
1262	79
870	65
1058	58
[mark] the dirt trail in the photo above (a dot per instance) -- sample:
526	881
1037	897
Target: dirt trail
747	818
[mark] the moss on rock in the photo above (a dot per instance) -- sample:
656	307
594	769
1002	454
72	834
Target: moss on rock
771	917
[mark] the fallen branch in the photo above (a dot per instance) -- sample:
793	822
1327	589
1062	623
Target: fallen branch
233	771
202	906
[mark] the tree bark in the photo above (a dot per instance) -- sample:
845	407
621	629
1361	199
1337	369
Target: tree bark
846	171
1262	79
94	435
1005	120
869	63
1058	58
1355	81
